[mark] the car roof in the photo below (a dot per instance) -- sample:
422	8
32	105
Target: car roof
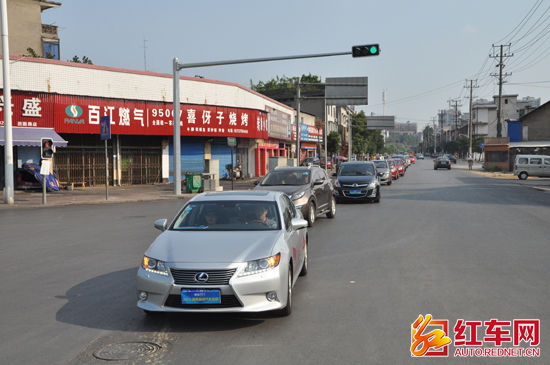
358	163
249	195
299	168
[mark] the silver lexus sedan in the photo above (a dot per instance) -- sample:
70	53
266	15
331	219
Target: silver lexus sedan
226	252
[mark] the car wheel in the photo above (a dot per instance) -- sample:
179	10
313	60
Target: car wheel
377	199
435	168
389	182
332	212
312	211
288	308
523	175
448	168
305	266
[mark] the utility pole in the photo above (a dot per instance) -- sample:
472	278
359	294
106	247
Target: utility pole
500	75
456	105
145	54
435	140
298	121
470	126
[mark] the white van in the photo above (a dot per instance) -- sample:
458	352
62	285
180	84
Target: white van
531	165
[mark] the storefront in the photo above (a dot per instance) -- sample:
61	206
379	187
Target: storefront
140	150
310	140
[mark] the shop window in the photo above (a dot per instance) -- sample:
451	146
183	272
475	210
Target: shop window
497	156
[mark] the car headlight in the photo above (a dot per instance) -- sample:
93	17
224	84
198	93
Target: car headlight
297	195
336	184
261	265
372	185
154	265
387	173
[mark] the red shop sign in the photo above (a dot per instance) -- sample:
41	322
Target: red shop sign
28	110
82	115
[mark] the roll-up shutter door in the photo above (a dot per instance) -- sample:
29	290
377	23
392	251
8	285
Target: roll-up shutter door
222	152
192	157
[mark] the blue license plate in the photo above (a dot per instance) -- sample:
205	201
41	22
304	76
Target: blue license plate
201	296
355	192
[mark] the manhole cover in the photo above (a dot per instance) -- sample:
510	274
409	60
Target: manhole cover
127	351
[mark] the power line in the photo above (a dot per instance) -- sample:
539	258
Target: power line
523	21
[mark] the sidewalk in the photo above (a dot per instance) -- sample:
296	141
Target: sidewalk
538	183
117	194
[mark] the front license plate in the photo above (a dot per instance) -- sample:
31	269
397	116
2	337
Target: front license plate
355	192
201	296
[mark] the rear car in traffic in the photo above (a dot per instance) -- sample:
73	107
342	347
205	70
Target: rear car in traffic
309	188
225	252
357	181
384	171
442	162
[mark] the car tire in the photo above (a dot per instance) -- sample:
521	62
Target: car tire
377	199
288	308
523	175
448	168
305	266
311	214
332	212
389	182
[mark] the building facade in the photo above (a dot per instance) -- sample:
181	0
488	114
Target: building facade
26	30
70	98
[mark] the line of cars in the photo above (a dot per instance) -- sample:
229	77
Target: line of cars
243	251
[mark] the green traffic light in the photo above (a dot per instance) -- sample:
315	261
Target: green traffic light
373	50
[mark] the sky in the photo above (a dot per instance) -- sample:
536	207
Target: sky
428	48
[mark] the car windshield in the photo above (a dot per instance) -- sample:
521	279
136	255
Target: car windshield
380	164
357	170
287	177
228	216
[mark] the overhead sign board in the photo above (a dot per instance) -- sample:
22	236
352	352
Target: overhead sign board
380	122
346	90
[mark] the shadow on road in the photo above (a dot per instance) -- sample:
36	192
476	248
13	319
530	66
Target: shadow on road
108	302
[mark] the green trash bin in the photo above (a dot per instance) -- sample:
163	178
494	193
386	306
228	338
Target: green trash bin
193	182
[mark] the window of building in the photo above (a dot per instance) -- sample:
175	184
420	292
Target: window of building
505	101
51	50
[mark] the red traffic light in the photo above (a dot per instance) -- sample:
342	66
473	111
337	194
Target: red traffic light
46	148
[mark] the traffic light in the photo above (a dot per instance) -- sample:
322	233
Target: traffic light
46	148
365	50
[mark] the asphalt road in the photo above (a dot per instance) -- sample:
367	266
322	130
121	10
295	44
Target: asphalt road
450	243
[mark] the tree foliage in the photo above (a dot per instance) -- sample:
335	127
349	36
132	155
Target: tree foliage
333	143
365	141
286	85
85	59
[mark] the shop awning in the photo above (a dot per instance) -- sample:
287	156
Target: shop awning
32	136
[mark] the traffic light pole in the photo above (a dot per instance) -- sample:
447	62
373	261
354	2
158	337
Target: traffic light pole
44	189
357	51
8	146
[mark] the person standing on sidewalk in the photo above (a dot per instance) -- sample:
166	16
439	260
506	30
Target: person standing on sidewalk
470	161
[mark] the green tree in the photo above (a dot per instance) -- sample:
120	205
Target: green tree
364	140
85	59
333	143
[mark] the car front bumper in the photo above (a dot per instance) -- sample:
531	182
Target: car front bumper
240	294
344	194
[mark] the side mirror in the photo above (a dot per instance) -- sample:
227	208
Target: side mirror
256	182
334	174
161	224
298	223
319	182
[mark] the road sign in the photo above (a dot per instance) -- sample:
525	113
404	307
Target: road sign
355	88
232	142
45	167
105	130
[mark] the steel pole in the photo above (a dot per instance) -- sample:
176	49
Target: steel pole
298	121
106	172
325	134
8	146
177	148
470	133
349	139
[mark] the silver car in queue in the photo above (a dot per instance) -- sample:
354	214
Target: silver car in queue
246	259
